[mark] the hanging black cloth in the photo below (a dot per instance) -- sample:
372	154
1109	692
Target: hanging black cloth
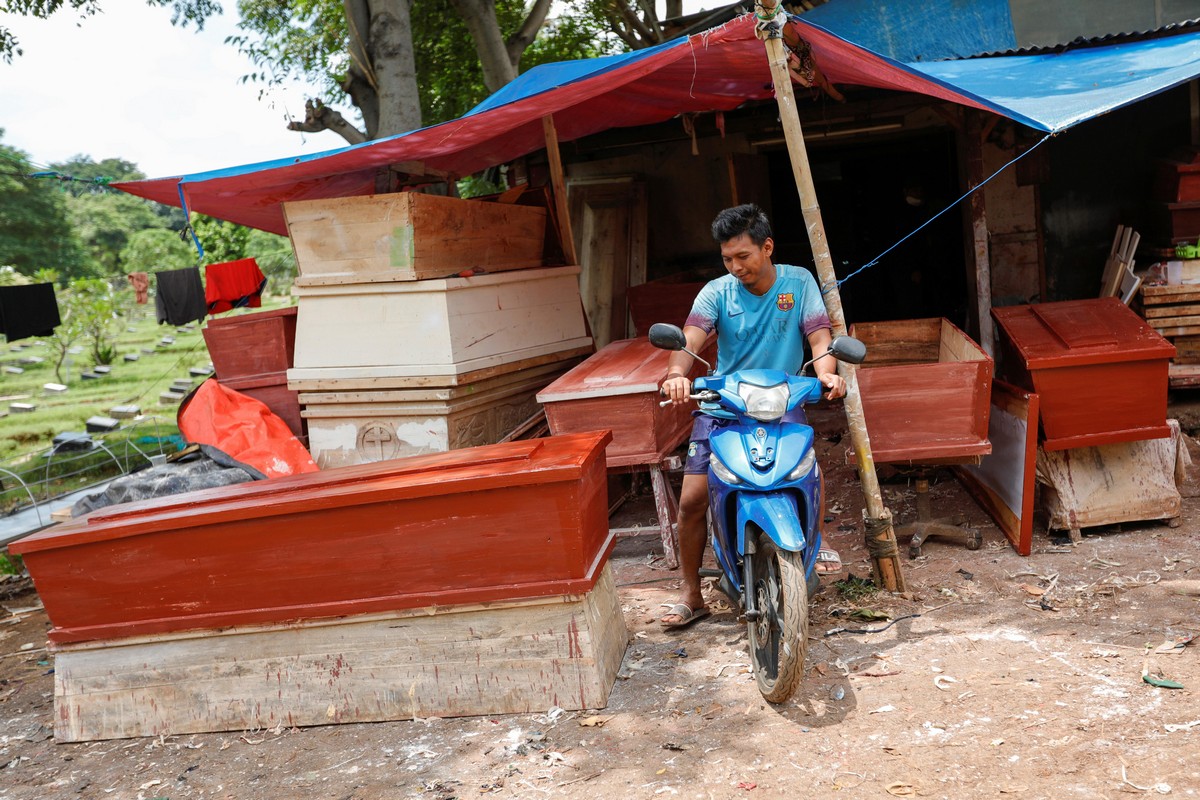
179	296
30	310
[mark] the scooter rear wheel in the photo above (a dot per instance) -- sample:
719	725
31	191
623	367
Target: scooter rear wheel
779	637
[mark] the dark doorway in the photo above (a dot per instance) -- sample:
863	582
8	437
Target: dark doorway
872	194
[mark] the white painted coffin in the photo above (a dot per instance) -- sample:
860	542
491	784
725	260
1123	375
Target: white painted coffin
435	327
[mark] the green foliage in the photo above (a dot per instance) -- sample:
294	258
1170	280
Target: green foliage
11	564
308	40
35	230
90	312
155	249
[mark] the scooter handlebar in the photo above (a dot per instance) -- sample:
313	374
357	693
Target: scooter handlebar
706	396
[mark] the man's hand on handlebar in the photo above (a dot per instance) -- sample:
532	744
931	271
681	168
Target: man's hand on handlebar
835	384
677	389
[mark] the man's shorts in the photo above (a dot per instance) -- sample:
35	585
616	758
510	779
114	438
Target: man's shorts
704	426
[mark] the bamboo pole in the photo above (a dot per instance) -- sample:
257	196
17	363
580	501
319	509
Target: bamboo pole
880	536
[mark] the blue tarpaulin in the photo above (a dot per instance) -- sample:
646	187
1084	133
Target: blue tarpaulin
717	70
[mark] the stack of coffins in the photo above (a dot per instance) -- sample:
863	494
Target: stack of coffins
425	323
1177	186
473	582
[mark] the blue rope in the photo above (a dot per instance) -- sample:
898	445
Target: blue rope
875	260
187	226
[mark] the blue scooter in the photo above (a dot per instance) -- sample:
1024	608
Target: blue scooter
764	504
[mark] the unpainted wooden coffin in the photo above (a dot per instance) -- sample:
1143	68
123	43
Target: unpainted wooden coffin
1100	371
617	390
360	426
517	520
436	327
408	236
926	391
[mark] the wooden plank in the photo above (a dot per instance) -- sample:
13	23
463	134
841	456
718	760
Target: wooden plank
909	341
954	345
440	662
1153	295
1183	320
1172	310
1180	330
1003	482
559	184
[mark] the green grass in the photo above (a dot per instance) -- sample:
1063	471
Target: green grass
129	383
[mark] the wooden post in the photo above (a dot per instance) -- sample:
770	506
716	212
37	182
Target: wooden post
974	135
560	190
881	538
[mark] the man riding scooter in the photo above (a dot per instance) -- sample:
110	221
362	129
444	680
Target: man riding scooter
763	314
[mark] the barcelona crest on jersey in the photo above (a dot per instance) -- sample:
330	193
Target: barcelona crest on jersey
785	301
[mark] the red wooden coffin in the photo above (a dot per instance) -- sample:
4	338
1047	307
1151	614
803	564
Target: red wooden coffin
665	300
617	389
925	387
501	522
1101	372
252	354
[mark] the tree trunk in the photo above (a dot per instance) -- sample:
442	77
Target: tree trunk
480	17
390	48
674	9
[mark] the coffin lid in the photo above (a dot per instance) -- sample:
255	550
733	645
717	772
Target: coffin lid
627	366
257	316
1079	333
476	469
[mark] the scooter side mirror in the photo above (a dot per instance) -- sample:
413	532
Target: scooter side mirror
667	337
848	349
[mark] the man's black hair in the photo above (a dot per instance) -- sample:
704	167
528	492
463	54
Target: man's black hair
748	219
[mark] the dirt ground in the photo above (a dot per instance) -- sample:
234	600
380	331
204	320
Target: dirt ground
1002	676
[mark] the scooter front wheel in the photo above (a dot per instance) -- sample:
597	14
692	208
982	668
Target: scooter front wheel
779	637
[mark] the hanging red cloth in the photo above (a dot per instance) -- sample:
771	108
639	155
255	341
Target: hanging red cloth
140	281
233	284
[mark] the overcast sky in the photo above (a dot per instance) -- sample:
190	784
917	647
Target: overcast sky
127	84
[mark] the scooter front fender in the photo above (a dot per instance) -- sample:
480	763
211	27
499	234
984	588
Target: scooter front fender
776	513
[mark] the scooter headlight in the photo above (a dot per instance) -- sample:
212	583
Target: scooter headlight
723	472
804	467
764	403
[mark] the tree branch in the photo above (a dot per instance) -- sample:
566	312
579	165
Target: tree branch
517	43
650	18
631	19
320	117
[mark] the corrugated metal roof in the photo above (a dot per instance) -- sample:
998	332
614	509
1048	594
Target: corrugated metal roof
1171	29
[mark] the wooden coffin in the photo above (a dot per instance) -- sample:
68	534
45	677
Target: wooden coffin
510	521
617	390
436	327
511	657
252	353
663	300
249	345
407	236
926	389
1099	370
361	426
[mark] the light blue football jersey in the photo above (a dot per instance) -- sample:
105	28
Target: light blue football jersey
767	332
